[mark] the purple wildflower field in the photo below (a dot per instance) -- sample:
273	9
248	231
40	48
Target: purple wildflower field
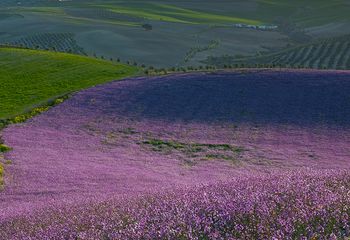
233	155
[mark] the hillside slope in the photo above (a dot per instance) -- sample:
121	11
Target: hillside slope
30	77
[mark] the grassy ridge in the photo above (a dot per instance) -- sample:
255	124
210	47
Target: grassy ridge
172	13
31	77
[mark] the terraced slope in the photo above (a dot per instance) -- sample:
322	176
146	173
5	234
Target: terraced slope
331	54
62	42
326	54
31	77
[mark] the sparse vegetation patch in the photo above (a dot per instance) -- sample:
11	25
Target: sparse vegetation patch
195	151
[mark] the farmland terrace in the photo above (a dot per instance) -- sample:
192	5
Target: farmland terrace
137	135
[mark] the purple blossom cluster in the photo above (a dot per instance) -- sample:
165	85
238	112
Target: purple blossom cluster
302	204
243	155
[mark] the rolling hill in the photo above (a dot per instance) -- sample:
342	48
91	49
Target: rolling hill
114	29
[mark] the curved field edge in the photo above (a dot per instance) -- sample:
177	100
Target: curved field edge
305	204
33	81
30	78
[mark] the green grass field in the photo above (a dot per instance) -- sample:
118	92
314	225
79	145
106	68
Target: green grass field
29	78
173	13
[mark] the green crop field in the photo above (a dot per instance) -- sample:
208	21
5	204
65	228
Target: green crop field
173	13
31	77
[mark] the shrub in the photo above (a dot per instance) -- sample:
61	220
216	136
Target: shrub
4	148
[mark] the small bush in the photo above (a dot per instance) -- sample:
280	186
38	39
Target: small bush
1	176
4	148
